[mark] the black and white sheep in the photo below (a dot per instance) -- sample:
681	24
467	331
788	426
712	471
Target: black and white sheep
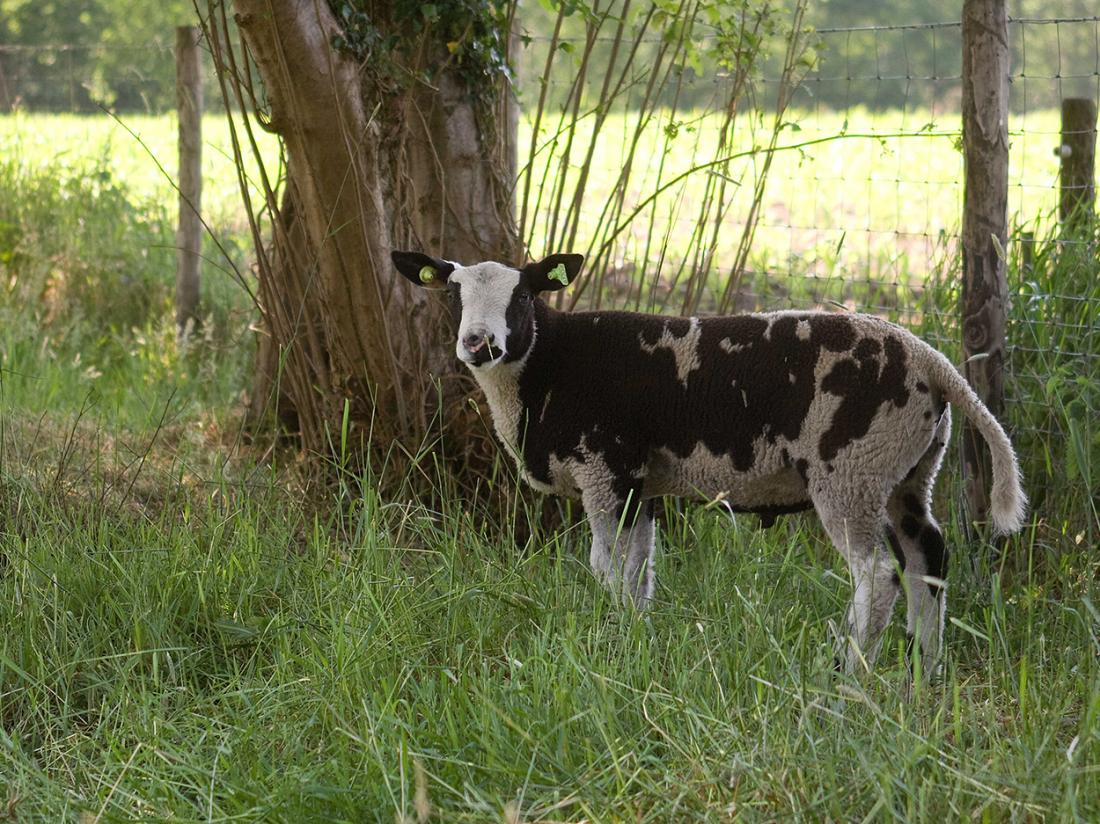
772	413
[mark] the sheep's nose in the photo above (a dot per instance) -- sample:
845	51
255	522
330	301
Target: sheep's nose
475	340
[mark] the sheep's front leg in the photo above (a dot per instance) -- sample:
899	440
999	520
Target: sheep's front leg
623	546
603	538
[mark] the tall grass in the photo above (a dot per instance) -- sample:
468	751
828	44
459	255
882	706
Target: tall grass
85	300
226	656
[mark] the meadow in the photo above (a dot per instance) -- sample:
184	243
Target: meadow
189	630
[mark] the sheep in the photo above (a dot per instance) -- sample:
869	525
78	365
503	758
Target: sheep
771	413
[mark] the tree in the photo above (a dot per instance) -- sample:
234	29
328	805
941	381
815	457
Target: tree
397	126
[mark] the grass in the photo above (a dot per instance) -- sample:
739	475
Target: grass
187	633
224	656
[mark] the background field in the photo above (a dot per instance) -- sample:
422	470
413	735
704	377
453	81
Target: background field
191	633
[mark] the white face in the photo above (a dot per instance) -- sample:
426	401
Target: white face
485	292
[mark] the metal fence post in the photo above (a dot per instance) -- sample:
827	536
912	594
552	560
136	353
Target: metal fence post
984	228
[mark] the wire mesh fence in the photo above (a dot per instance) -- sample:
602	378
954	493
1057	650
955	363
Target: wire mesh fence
854	195
863	206
85	78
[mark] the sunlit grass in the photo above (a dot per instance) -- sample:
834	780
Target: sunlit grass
140	150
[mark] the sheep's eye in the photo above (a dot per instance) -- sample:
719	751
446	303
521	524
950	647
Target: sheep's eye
525	297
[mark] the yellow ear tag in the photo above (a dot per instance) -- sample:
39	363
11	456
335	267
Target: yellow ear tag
558	274
427	274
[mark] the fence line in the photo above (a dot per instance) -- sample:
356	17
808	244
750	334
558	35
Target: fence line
869	222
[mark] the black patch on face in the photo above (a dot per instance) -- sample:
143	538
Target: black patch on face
935	554
742	391
454	301
520	319
910	526
863	387
922	387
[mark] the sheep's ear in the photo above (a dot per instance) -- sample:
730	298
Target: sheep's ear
553	273
422	269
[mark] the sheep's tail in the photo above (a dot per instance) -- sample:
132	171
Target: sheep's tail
1008	503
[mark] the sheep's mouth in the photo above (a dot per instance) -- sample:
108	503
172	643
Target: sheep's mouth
484	356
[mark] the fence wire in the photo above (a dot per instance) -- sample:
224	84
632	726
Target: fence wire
862	207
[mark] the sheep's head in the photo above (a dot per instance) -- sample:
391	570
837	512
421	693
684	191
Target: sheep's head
493	304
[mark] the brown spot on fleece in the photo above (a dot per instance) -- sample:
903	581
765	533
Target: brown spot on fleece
863	384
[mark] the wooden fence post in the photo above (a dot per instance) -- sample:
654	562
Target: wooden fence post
189	230
985	227
1077	190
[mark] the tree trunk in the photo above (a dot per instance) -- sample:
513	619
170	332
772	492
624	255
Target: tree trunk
371	166
1077	189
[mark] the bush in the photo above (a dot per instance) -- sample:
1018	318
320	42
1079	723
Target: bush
76	249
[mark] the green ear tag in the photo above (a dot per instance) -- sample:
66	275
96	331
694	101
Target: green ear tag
427	274
558	274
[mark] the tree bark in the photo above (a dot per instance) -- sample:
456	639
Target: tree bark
985	227
1077	192
369	168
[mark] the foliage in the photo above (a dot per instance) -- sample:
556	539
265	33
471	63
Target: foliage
113	61
1055	361
73	245
920	64
474	33
112	52
87	265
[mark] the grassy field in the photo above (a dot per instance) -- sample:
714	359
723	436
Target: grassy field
875	188
187	633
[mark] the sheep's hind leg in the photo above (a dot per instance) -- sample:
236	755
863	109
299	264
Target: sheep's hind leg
858	530
910	509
